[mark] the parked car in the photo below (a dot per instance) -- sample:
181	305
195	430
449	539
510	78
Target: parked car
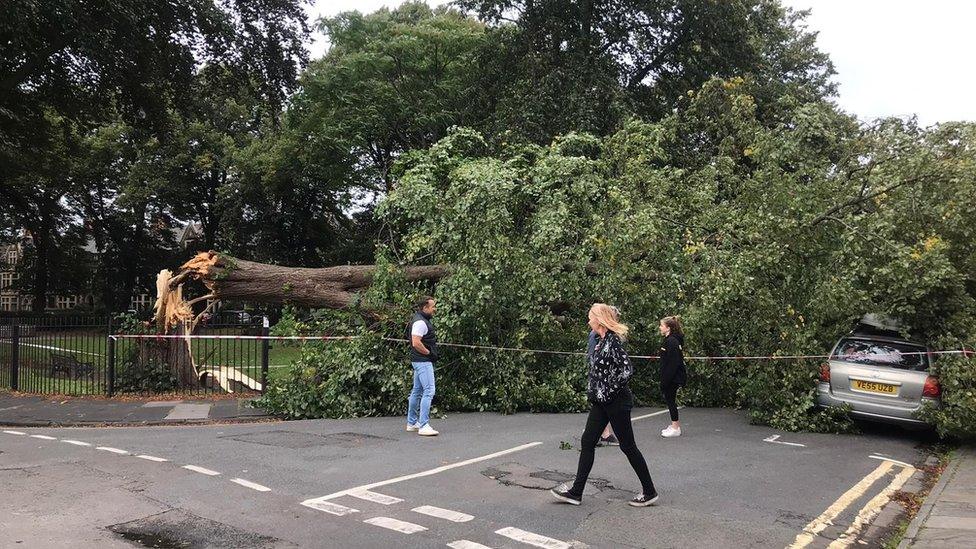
234	317
881	377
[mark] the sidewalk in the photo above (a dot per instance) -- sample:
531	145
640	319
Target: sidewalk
18	410
948	516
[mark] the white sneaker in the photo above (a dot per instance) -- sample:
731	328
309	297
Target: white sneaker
427	431
412	428
671	432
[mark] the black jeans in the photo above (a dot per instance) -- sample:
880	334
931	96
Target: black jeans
617	412
670	391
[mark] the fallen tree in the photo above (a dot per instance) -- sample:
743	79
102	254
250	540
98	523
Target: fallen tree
229	278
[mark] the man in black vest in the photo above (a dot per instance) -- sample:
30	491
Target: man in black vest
423	355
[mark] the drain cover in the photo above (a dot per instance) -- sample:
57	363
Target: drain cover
176	529
297	439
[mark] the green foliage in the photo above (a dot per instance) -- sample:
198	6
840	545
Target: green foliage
138	368
766	240
957	416
362	377
565	66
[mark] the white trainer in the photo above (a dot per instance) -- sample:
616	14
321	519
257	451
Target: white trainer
427	431
412	428
671	432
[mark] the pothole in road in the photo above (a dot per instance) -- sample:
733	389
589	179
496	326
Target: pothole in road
297	439
516	474
153	540
176	529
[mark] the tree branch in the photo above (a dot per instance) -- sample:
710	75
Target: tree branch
192	302
853	202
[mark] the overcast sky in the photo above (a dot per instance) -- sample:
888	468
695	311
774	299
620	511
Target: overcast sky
893	57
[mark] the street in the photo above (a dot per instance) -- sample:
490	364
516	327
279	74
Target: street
483	483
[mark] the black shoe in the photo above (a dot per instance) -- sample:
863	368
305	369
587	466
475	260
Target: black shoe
562	494
643	500
609	441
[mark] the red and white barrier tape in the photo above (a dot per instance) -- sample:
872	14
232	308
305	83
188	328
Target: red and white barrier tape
236	337
534	351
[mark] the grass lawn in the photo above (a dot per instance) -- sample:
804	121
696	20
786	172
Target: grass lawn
91	347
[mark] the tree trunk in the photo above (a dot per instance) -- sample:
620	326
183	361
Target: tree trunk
180	359
229	278
42	236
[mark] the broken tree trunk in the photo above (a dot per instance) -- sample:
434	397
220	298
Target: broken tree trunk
229	278
174	316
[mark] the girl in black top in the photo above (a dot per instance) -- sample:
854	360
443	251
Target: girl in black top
673	373
611	400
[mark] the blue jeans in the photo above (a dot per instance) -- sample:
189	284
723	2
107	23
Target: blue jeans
422	393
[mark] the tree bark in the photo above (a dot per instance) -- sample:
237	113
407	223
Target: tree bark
229	278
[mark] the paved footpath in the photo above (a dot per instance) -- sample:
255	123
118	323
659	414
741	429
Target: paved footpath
947	519
19	410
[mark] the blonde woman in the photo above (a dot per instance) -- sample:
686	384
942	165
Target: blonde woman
612	401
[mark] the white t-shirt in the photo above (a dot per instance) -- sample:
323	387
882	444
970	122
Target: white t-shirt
419	328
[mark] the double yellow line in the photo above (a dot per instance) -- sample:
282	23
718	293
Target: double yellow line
864	516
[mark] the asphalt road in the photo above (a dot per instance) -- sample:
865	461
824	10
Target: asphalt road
484	480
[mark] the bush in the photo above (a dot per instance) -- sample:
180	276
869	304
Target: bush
957	416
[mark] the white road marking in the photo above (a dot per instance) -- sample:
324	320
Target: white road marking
113	450
15	433
375	498
441	469
775	440
465	544
895	461
331	508
202	470
818	524
871	509
633	419
533	539
394	524
43	437
76	442
445	514
152	458
251	485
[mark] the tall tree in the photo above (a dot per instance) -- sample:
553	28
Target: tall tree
34	199
582	64
119	197
75	64
391	81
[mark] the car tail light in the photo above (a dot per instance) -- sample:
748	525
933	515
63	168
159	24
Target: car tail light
932	388
825	372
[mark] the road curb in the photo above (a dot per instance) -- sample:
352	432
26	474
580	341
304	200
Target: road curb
926	509
185	422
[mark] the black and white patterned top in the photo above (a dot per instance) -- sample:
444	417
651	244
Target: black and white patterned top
610	369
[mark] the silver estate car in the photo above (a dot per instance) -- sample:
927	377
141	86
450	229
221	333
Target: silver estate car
881	378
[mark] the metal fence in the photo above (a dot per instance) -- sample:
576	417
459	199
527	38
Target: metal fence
77	355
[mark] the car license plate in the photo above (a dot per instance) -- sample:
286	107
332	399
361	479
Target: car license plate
873	387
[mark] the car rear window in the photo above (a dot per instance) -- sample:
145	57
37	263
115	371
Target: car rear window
882	353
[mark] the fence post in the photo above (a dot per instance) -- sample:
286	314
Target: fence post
265	347
15	356
110	359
